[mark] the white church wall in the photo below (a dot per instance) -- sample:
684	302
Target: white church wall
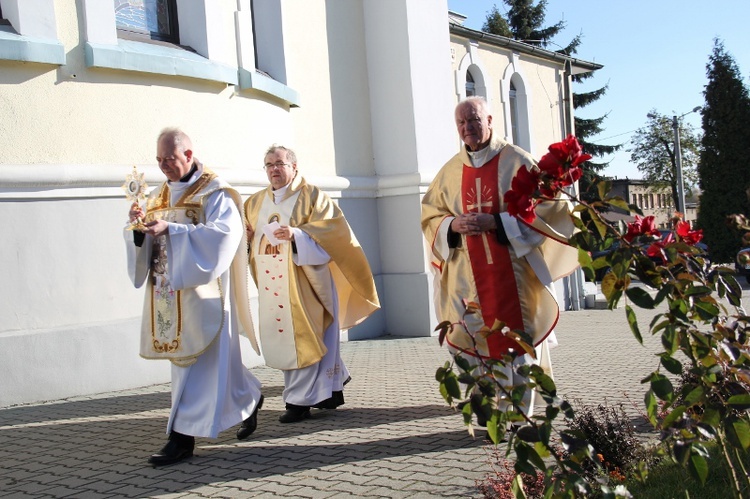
374	123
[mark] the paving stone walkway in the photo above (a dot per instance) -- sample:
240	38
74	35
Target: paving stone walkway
395	437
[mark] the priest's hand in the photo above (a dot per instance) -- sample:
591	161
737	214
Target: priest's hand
156	228
284	233
486	222
468	224
135	213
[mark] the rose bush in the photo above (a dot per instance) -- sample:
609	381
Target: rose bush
703	329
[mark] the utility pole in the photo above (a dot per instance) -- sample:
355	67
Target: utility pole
678	166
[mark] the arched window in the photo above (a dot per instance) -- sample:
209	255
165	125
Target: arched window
470	87
513	101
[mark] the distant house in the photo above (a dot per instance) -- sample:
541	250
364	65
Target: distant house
652	201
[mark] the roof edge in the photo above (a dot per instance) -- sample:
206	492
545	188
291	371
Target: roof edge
503	41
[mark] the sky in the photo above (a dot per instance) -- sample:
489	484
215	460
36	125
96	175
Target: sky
654	54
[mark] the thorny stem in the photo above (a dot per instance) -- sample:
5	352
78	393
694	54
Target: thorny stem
724	452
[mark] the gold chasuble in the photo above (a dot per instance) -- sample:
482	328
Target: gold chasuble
296	303
179	325
480	269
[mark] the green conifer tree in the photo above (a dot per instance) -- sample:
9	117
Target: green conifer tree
723	173
524	21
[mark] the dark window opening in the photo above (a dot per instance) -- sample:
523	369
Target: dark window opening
470	85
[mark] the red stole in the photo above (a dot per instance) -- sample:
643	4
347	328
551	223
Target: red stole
490	260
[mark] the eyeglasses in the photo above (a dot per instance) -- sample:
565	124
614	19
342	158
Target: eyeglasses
278	165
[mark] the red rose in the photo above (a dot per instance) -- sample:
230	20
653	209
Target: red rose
688	236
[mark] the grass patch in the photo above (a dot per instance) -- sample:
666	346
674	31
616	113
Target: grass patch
668	480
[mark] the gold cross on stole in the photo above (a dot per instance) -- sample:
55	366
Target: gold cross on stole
478	205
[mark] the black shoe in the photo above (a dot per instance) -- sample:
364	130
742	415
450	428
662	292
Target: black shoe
294	413
331	402
250	424
178	447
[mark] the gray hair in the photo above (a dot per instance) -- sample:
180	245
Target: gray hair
181	140
479	101
290	156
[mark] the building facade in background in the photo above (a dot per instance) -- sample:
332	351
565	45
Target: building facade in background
363	91
652	201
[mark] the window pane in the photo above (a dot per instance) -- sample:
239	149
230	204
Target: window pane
143	16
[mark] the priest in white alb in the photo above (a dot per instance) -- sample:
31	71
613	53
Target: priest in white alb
191	256
313	281
481	254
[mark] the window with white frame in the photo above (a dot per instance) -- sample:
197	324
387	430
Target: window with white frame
470	86
513	104
147	19
268	38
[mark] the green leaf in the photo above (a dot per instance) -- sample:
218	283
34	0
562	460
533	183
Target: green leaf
633	322
681	451
662	387
680	309
536	459
584	258
463	363
698	467
543	381
670	339
603	189
671	364
742	401
706	311
619	203
698	290
522	464
542	449
673	416
516	487
545	432
493	430
711	417
451	386
640	297
694	396
551	412
651	406
738	432
528	433
442	371
466	379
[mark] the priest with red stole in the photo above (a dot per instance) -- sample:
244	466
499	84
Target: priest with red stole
482	254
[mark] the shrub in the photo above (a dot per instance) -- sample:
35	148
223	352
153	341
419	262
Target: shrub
499	483
610	432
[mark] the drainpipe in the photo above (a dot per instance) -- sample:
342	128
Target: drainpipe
574	282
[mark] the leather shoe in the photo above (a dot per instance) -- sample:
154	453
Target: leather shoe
178	447
294	413
250	424
335	400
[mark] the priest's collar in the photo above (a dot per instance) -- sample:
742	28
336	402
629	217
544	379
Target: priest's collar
482	156
278	194
195	172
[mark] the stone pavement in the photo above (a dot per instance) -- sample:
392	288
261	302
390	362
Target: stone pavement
395	437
